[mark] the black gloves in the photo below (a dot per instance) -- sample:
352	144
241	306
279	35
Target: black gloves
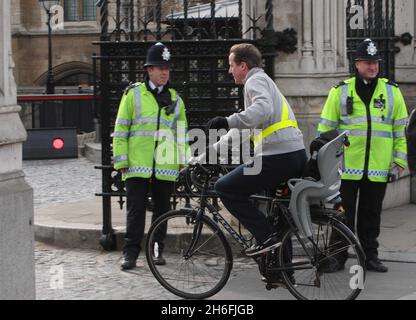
217	123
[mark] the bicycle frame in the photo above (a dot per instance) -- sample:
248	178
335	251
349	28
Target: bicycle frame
219	219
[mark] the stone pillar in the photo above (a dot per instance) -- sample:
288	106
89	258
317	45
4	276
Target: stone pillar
406	58
306	76
307	41
17	272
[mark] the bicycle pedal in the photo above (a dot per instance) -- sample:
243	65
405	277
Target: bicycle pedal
276	285
273	285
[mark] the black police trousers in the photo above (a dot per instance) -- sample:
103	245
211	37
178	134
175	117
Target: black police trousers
137	197
370	201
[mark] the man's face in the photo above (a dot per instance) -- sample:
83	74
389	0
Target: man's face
368	69
239	71
159	75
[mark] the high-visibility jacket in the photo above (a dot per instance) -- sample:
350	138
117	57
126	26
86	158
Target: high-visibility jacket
377	131
146	139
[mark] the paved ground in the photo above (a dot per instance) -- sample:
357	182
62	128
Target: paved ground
62	181
94	275
78	274
64	200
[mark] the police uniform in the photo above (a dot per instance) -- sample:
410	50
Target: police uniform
375	114
149	145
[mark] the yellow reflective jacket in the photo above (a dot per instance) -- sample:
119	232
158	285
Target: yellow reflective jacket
377	136
146	139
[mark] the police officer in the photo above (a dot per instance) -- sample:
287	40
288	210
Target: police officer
149	146
374	111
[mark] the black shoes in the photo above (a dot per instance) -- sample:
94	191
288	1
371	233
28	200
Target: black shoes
268	245
128	263
159	260
333	265
375	265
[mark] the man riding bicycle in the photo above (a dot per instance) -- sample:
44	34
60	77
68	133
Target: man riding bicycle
279	145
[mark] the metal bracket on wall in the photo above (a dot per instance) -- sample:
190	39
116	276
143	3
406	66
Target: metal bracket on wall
406	38
285	40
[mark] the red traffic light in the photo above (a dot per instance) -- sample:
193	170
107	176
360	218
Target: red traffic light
58	143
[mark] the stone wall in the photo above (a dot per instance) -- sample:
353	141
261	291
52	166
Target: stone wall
30	43
66	48
17	271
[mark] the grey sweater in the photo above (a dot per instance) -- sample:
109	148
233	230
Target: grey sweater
263	108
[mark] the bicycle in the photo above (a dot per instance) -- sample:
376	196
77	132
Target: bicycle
200	258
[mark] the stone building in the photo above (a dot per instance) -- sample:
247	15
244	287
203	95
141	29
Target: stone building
319	62
17	271
72	45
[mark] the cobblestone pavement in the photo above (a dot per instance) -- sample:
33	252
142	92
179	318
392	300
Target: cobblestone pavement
76	274
62	181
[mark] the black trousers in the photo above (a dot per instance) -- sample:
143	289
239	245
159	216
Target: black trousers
137	197
236	187
370	201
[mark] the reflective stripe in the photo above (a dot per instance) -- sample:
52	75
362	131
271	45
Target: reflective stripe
163	172
344	96
273	128
138	102
120	158
123	122
121	134
371	173
140	170
354	172
380	120
390	99
400	122
400	155
166	172
284	123
398	135
142	134
329	123
177	112
363	133
152	120
376	173
358	120
347	121
153	134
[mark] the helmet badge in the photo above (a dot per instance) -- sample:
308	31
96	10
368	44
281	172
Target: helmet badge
166	54
372	49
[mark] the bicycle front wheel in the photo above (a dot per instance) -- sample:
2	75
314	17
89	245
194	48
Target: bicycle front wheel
198	256
331	267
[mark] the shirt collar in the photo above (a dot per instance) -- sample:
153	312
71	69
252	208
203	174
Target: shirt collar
153	86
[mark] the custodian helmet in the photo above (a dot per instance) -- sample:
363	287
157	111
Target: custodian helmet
158	55
367	50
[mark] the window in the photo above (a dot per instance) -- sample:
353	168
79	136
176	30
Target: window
79	10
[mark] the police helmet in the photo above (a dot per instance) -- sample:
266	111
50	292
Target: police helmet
367	50
158	55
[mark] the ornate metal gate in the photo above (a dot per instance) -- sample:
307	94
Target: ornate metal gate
199	38
372	19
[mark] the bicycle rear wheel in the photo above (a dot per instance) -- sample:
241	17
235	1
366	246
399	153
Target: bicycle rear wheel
336	246
198	257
